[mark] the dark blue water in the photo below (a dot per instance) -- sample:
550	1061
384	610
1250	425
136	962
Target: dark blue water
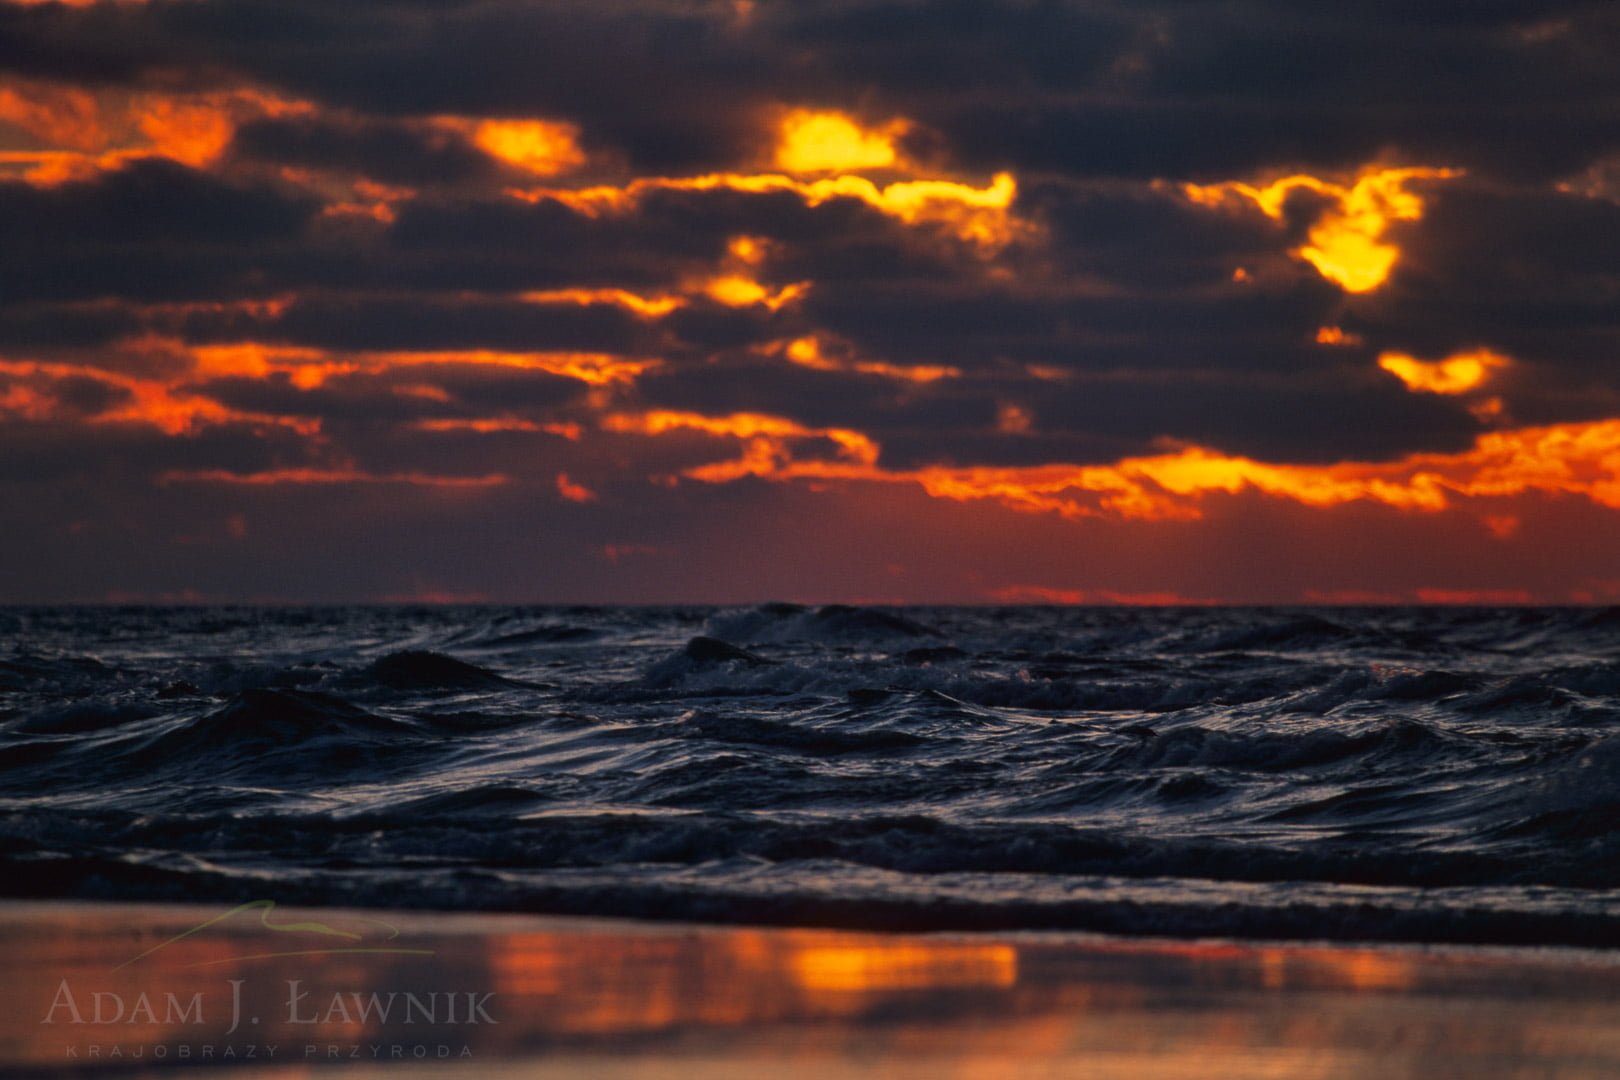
1354	774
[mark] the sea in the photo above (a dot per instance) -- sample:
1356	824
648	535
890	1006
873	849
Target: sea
1438	775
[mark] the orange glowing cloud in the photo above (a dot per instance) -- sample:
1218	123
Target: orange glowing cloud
766	441
167	406
309	368
809	352
735	285
1333	335
245	359
81	134
22	402
596	369
490	425
978	215
177	404
58	115
1347	243
577	493
1013	419
1579	459
542	147
813	141
748	250
739	290
648	307
193	133
370	199
1456	374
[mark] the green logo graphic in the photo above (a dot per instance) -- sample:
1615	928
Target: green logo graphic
264	908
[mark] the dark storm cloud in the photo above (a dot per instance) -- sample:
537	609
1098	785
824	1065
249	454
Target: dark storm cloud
27	329
953	47
147	203
1360	419
1529	273
1230	88
101	458
545	244
658	79
710	326
115	43
914	448
153	229
341	399
1100	88
1331	413
377	149
821	399
1379	54
431	324
1231	328
469	390
483	390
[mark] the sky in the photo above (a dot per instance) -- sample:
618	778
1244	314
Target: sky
957	301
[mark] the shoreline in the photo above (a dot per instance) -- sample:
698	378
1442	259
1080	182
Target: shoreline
506	993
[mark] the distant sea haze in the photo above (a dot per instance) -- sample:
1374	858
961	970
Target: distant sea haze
1400	774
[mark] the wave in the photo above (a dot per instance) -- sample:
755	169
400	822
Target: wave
417	669
1414	774
833	623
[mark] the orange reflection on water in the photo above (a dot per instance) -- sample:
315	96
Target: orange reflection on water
1355	969
809	1002
907	966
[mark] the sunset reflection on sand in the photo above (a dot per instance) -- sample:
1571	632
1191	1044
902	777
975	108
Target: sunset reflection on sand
292	990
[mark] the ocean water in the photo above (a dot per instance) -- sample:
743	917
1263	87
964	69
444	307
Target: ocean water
1417	774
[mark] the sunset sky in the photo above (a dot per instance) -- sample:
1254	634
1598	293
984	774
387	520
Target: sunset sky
1107	301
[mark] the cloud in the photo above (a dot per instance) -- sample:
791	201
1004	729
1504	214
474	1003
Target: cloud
1051	284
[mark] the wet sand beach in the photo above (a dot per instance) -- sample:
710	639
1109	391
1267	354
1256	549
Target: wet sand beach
132	989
